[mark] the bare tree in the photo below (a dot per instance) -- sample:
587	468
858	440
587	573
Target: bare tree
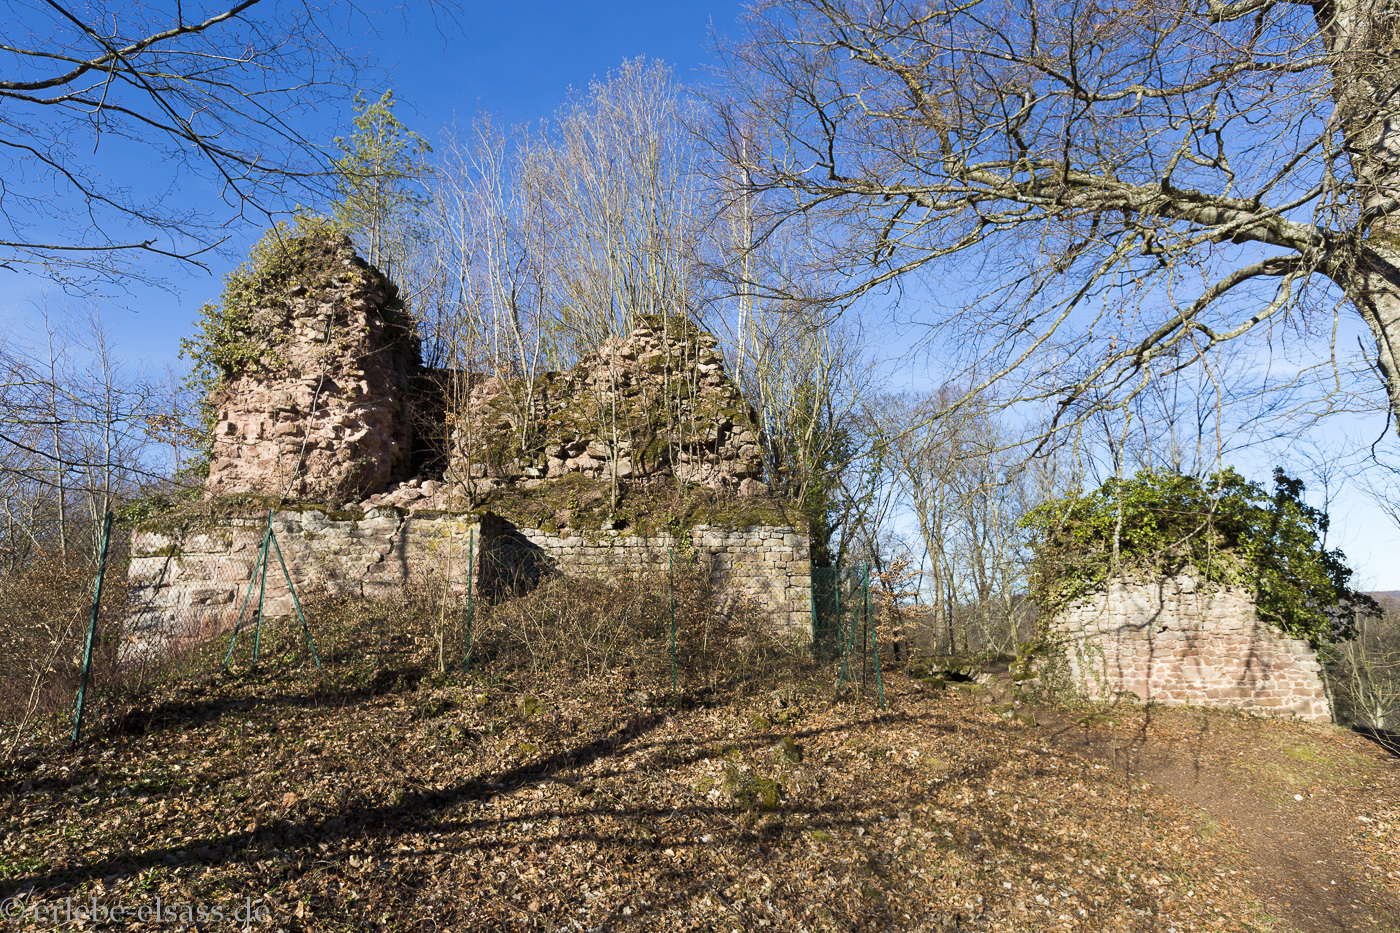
1129	186
805	377
1365	671
81	430
615	174
498	301
556	239
966	490
94	95
806	371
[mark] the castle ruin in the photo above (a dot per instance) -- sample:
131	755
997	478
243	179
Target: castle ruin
377	471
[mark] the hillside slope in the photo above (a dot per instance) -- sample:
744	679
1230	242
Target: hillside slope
1315	810
375	797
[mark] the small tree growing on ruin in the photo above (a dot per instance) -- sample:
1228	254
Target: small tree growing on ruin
379	174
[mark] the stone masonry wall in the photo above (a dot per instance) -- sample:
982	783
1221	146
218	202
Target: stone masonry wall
656	402
319	407
322	416
188	584
1176	641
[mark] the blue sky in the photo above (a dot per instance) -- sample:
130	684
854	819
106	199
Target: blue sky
518	61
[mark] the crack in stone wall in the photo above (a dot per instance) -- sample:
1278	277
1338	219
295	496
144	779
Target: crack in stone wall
1180	641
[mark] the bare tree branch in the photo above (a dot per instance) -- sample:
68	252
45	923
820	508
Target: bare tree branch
1126	179
221	93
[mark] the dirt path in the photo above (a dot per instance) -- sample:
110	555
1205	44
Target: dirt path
1298	796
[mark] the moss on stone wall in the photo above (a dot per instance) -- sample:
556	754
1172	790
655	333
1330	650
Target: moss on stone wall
659	506
209	514
649	398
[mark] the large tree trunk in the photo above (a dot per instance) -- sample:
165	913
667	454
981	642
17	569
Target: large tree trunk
1364	37
1371	280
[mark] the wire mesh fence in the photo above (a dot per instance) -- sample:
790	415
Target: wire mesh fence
844	628
88	634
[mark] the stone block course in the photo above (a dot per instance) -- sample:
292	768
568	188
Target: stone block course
1184	641
190	584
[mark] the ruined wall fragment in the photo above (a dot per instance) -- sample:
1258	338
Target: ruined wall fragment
1182	641
321	416
656	402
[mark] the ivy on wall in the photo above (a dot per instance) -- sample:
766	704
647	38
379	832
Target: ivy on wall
245	327
1223	528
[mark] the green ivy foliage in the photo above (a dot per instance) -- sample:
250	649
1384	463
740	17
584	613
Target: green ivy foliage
1223	528
244	328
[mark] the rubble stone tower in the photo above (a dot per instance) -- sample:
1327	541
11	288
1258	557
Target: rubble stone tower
320	414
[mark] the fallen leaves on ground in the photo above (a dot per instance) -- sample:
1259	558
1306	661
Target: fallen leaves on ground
576	805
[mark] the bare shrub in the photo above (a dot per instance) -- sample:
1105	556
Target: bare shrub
422	627
1364	672
583	626
45	604
565	626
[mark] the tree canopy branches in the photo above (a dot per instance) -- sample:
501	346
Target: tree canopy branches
110	113
1137	183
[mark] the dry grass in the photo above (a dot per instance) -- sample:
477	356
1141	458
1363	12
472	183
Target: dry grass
558	783
45	606
566	627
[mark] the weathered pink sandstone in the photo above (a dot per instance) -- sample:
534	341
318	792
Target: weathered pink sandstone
656	402
1179	641
323	418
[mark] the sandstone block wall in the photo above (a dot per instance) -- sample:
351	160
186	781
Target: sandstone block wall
188	584
1177	641
323	417
768	565
330	404
656	402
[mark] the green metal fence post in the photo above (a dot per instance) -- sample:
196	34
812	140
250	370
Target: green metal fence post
92	626
865	624
836	605
671	570
471	578
262	591
812	592
305	629
258	566
846	636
